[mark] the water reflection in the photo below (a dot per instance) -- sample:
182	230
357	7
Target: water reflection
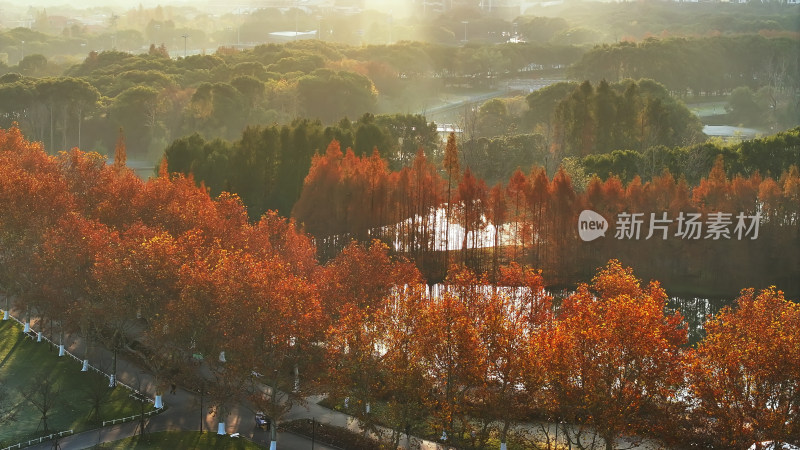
695	312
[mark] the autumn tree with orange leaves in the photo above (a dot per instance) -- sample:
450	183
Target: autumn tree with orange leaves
497	216
403	388
62	287
471	206
451	353
33	197
615	359
89	247
416	196
452	173
516	317
198	322
747	372
354	287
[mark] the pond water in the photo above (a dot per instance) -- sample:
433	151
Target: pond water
696	311
730	131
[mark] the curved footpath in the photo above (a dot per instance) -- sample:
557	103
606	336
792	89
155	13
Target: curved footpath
183	413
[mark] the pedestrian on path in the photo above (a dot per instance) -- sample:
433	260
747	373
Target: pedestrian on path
172	388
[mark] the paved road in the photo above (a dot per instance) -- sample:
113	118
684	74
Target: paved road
183	413
454	109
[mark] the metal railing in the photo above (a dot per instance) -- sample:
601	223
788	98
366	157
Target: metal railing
39	440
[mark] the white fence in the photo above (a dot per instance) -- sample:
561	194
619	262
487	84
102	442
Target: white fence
130	418
40	336
135	392
39	440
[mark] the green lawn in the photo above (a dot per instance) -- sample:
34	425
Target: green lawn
183	439
710	108
25	363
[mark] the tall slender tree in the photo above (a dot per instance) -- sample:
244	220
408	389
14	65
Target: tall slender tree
452	171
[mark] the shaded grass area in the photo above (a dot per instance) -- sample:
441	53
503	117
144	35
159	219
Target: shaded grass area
79	400
380	416
182	439
530	438
331	435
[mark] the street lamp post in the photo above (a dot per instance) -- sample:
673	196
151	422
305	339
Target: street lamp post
465	22
184	36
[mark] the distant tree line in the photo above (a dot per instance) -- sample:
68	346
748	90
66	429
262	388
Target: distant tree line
267	165
156	99
769	156
136	28
532	219
568	119
697	66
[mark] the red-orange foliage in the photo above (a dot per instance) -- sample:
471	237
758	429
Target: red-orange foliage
141	269
563	210
33	195
361	277
615	359
175	204
102	192
344	196
453	360
497	215
274	236
712	194
78	236
747	372
62	286
471	208
404	386
515	318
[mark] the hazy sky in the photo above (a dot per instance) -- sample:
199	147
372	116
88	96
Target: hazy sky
15	15
117	4
381	5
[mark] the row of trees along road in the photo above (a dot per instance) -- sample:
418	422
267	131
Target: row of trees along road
90	247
